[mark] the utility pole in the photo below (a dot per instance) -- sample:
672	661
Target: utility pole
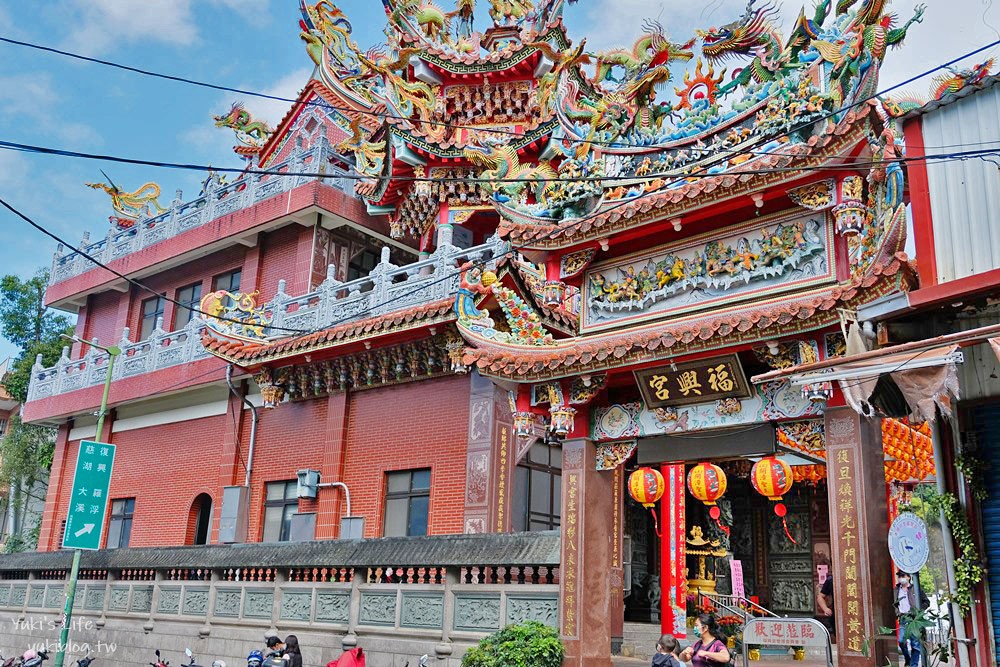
74	574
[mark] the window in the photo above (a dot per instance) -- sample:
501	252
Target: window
188	298
537	489
152	309
3	426
227	281
361	265
230	282
280	504
120	528
407	501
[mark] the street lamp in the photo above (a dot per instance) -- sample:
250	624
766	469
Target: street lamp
74	574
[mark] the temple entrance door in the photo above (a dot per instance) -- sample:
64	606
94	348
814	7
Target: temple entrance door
791	586
642	604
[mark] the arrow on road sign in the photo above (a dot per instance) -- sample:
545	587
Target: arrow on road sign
86	530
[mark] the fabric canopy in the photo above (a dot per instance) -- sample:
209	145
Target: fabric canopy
928	378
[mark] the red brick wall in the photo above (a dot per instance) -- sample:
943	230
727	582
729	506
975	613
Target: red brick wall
278	258
289	438
166	467
100	319
418	425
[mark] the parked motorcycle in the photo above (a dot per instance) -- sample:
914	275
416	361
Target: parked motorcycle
33	658
422	663
85	661
160	662
190	655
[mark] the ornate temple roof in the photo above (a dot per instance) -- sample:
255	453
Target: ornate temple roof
514	129
251	353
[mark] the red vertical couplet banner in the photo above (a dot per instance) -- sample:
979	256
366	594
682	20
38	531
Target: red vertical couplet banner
673	583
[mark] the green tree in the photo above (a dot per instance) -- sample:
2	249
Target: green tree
26	449
25	319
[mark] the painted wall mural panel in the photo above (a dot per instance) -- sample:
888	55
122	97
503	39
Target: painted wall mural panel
772	400
742	262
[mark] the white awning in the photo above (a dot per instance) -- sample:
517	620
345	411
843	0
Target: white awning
873	367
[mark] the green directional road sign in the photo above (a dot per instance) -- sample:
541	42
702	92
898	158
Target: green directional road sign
89	502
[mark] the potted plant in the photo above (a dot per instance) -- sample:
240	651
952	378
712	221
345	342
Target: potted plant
800	653
730	627
529	644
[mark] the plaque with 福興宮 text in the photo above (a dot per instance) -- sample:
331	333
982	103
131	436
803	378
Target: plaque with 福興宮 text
701	381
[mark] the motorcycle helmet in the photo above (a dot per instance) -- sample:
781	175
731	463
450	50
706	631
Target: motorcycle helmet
255	659
30	654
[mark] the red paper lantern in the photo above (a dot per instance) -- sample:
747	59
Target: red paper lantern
771	477
646	486
707	482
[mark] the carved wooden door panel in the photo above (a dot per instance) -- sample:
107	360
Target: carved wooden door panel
790	564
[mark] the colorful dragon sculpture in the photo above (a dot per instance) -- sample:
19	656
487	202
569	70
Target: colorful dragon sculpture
369	156
958	79
235	316
130	206
865	42
651	51
755	35
249	132
505	174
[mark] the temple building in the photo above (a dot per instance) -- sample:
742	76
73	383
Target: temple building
486	283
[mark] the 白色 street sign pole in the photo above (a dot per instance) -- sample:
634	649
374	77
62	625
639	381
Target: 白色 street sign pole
75	570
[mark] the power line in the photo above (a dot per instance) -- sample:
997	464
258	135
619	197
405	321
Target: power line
858	163
378	116
556	229
131	281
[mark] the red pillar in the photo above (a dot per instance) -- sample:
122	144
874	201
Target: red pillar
859	529
673	568
332	501
586	572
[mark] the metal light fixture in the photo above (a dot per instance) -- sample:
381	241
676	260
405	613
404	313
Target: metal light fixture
553	293
524	424
561	420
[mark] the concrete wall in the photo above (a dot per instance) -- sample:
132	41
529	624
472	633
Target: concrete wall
123	622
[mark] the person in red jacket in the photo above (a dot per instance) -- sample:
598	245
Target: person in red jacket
353	658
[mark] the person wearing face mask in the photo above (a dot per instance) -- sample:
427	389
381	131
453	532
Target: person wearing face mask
709	650
908	602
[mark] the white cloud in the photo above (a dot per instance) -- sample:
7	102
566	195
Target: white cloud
101	24
216	143
31	100
254	12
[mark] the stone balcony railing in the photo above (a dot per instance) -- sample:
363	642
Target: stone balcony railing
398	598
386	289
217	201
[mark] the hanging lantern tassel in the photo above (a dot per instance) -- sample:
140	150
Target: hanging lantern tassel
781	511
716	513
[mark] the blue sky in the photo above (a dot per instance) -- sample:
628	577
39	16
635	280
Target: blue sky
252	44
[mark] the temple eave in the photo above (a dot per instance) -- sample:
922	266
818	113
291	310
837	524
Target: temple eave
741	326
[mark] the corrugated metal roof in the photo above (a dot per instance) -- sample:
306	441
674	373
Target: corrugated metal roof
540	548
971	89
